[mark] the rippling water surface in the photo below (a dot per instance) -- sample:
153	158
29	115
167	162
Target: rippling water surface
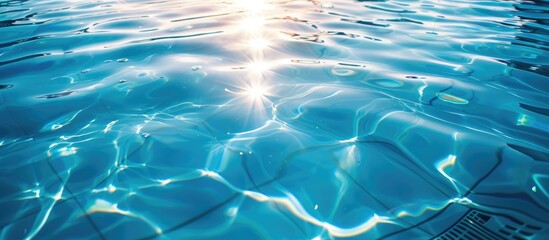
250	119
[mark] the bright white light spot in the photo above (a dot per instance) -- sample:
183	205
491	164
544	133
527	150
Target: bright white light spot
258	43
232	211
165	182
255	92
109	126
252	23
258	66
58	195
112	188
252	5
67	151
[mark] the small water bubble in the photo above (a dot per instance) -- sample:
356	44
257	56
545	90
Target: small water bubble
85	70
529	55
143	74
305	61
342	71
107	61
241	153
121	60
196	68
451	98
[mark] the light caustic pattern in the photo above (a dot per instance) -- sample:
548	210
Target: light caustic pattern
259	119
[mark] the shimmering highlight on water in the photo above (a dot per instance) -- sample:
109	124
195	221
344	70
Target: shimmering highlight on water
267	119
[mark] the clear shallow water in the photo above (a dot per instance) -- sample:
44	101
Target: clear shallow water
274	119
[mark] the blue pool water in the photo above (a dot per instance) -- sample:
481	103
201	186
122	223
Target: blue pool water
271	119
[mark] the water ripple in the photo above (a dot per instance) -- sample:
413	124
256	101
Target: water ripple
268	119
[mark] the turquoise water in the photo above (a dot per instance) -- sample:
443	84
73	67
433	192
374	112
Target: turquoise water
243	119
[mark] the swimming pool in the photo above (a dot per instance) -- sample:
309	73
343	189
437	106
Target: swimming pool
243	119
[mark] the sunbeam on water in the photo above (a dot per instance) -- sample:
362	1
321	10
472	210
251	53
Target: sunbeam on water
271	119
